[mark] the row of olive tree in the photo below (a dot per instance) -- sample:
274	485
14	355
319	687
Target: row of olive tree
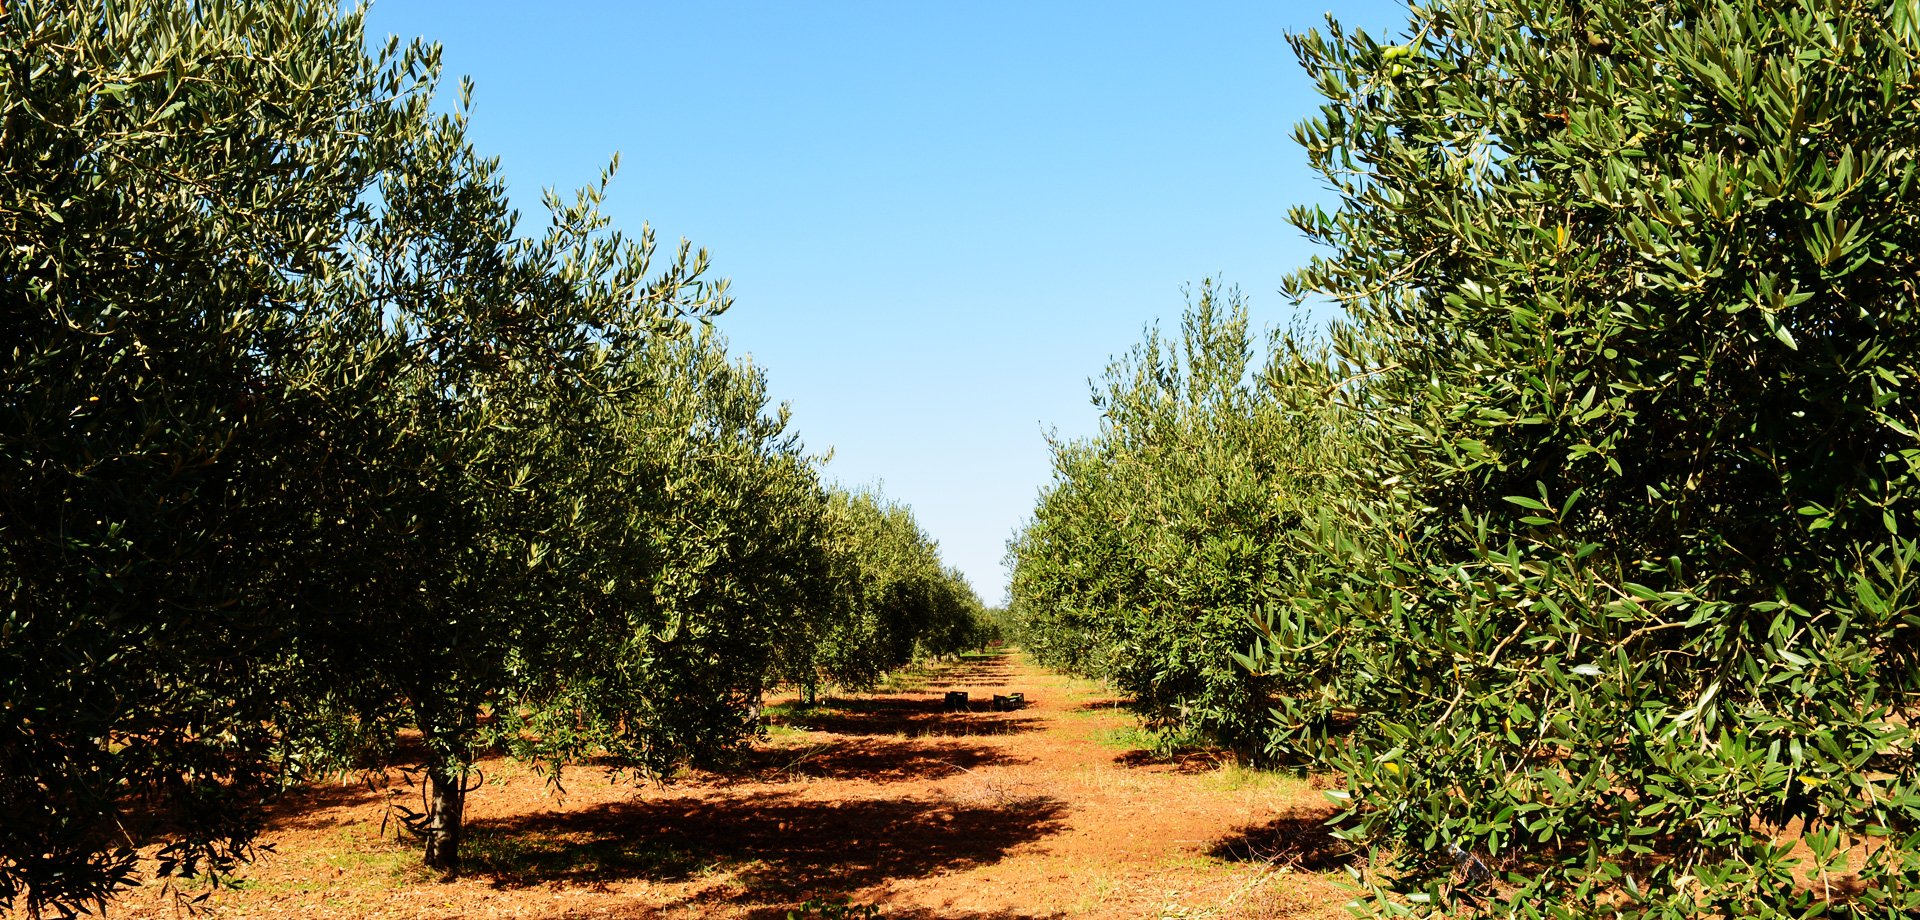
893	602
1613	610
1162	535
303	447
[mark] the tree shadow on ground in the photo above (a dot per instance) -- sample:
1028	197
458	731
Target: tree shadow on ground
780	847
911	718
1299	840
974	672
780	911
910	912
1115	705
1185	761
868	759
328	804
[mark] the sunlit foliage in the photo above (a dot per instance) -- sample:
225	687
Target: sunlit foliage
1160	537
307	442
1624	609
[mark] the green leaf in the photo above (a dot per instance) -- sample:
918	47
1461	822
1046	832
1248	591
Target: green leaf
1641	591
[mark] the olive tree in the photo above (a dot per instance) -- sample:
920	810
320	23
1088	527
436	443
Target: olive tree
886	602
1160	536
1623	609
709	560
464	544
171	174
291	428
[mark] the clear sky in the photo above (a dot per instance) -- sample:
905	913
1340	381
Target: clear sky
940	219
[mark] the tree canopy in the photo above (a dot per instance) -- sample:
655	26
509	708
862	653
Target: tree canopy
1631	316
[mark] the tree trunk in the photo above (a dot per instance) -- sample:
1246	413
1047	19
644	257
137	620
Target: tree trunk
447	730
446	805
756	704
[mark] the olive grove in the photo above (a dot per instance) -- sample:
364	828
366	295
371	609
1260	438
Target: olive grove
308	445
1610	610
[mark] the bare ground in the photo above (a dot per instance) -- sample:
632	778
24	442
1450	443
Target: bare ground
884	799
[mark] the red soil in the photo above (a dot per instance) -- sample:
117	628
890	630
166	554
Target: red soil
881	798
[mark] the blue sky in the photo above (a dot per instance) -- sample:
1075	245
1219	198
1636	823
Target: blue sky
939	219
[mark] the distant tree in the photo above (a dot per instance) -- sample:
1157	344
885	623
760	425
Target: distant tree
999	626
1161	536
891	600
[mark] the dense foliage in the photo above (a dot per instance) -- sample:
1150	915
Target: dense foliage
304	444
895	602
1614	610
1161	536
171	174
1635	286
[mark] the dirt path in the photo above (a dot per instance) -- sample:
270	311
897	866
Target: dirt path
882	798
